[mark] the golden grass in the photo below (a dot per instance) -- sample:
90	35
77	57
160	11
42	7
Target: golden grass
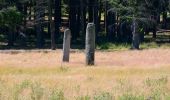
26	76
82	81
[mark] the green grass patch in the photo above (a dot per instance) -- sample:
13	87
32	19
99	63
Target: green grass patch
113	46
126	46
32	90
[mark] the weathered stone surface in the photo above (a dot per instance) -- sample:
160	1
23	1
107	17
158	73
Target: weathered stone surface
90	44
66	45
136	36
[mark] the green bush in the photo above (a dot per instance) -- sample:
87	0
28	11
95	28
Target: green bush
10	17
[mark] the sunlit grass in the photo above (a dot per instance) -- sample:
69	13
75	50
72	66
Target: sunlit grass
94	83
117	75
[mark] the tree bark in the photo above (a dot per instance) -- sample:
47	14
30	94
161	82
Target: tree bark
100	15
111	22
78	24
39	19
91	10
95	18
51	26
165	20
105	15
10	38
73	18
83	16
57	18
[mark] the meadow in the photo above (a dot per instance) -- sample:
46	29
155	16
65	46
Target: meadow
117	75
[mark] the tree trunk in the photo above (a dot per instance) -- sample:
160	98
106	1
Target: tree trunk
57	18
25	13
111	22
78	22
52	32
39	18
93	14
95	18
105	15
100	15
30	9
91	10
83	16
73	18
10	38
165	20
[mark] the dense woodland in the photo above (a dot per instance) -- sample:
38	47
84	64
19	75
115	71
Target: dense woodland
41	23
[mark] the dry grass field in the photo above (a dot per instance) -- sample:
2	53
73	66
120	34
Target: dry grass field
117	75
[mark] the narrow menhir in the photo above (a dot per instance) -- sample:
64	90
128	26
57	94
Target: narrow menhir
136	35
90	44
66	45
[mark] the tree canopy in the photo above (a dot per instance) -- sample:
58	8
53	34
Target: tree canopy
112	17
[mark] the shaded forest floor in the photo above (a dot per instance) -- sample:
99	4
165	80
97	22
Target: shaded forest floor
162	41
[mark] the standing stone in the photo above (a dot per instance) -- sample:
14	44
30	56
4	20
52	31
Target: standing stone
66	45
90	44
136	35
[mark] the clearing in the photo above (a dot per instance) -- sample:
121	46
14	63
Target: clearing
40	75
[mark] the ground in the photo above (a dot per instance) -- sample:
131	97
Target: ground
124	58
120	75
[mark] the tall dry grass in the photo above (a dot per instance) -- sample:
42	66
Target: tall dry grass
125	75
